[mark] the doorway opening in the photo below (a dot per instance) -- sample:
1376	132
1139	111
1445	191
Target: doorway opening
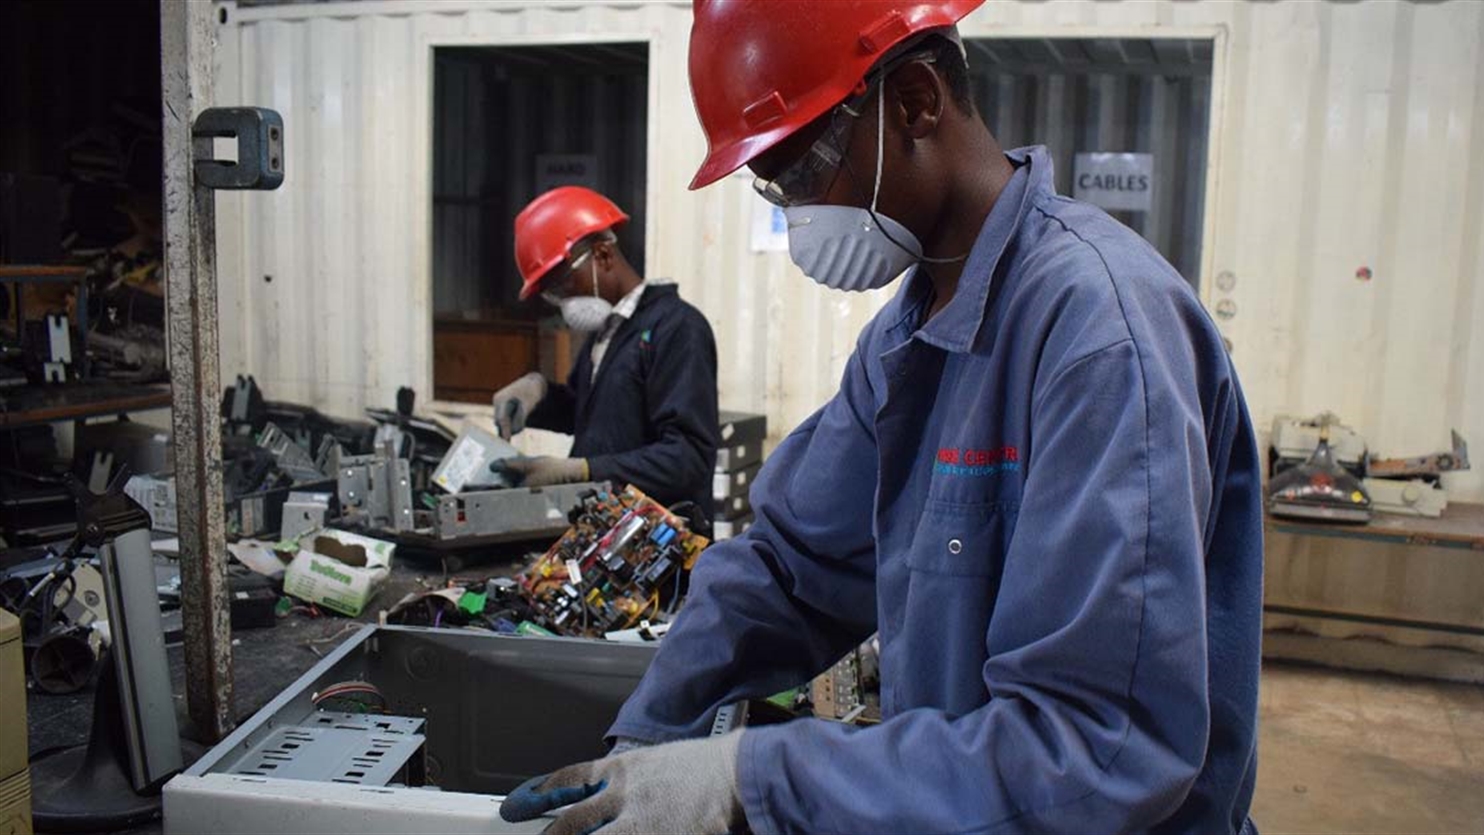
508	124
1126	121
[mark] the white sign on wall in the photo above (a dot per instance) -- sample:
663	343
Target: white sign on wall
554	170
1123	182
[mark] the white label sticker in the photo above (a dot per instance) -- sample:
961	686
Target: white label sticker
728	431
574	573
1123	182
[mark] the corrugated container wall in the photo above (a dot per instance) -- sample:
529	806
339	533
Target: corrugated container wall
1347	141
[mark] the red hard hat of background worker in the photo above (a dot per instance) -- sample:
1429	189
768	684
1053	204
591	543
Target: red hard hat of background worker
546	230
761	70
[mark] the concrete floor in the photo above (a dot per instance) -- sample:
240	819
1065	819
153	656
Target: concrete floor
1359	753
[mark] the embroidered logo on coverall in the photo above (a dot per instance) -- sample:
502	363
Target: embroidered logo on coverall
977	462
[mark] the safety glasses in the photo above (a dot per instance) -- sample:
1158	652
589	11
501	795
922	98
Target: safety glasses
566	285
808	178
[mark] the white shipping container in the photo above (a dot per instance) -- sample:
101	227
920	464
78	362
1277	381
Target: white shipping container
1343	230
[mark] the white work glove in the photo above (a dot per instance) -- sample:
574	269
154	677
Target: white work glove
678	787
515	402
543	470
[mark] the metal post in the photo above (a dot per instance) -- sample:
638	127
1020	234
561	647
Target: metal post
186	41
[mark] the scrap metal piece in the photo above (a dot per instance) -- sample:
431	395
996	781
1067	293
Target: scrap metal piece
467	463
1415	497
368	750
533	510
375	491
1422	465
292	458
302	513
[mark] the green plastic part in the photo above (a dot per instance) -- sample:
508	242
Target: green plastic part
785	699
528	628
472	603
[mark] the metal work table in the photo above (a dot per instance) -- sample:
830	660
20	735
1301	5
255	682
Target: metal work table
77	400
1407	587
36	274
1460	526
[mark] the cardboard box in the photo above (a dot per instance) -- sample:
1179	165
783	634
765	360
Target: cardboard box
338	570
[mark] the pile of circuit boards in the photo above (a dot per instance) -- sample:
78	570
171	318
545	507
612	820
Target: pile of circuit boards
623	561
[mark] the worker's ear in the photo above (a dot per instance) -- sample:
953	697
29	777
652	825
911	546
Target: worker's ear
920	96
603	253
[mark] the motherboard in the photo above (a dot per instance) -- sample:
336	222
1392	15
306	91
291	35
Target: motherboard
623	561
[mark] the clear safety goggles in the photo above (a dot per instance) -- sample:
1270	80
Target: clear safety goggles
808	178
566	285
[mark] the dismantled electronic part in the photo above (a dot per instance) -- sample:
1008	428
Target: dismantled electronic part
850	690
1293	440
622	560
373	750
1423	465
1415	497
467	464
1319	489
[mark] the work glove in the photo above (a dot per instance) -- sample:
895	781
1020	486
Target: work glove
515	402
543	471
678	787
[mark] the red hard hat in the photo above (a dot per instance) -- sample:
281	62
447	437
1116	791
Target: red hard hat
760	70
546	229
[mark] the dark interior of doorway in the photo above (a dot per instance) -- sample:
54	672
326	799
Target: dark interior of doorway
1139	95
504	120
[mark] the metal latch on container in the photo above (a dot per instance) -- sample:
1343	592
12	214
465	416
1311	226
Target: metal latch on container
259	134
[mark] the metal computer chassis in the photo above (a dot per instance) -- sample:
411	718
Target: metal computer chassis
495	710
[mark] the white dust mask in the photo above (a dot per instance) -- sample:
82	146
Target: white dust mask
587	313
850	248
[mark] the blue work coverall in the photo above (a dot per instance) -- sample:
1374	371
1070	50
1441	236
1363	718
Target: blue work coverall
1046	499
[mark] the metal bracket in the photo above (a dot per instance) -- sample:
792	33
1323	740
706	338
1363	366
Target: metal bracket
376	491
259	134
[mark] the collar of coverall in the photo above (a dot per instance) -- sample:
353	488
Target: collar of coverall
956	328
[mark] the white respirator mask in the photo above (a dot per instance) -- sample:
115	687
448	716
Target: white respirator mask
849	248
587	313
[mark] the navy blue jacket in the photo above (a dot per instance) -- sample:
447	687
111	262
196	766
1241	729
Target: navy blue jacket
1046	499
649	419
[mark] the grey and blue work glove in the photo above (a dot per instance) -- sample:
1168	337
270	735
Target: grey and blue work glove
688	786
515	402
543	470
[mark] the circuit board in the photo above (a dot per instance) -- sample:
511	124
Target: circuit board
850	690
623	559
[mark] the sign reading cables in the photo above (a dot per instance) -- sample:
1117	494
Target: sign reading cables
1122	182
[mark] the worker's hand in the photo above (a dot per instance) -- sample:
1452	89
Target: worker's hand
688	786
515	402
543	471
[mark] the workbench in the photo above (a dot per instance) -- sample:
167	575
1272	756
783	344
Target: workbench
54	403
264	661
1402	594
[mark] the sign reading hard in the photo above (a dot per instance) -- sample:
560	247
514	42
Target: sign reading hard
1123	182
554	170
